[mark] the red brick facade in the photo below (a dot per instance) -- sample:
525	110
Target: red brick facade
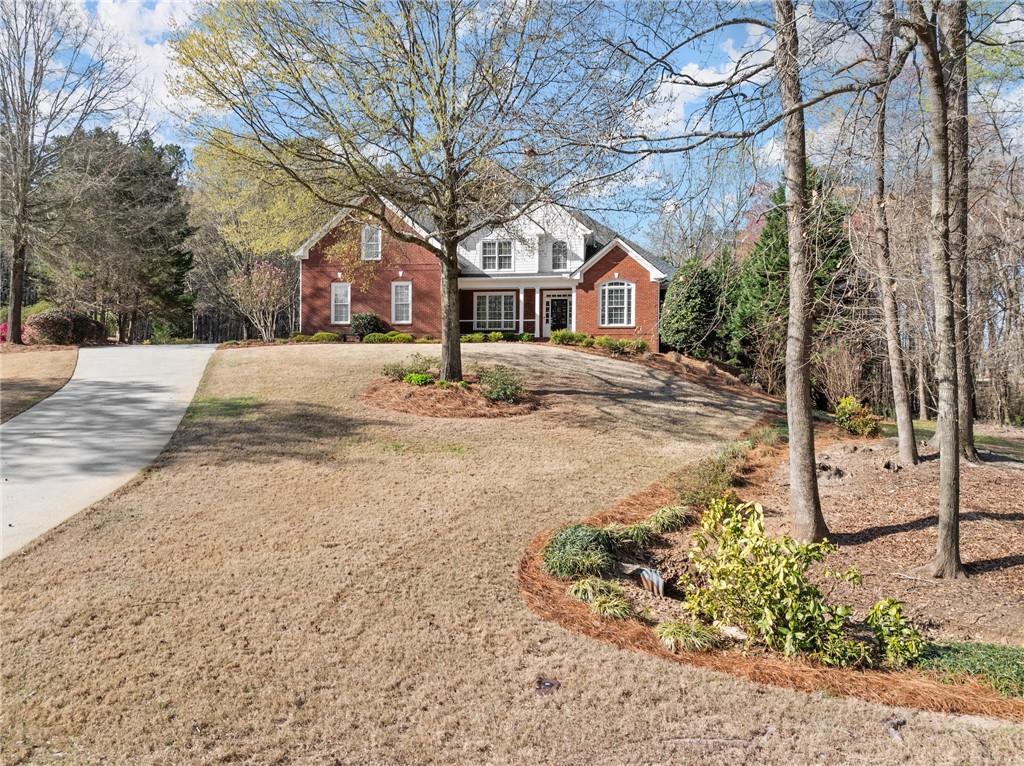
648	297
338	254
336	258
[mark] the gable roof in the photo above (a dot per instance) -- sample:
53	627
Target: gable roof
604	236
417	224
657	273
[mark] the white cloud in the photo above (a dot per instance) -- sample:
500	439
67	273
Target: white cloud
144	28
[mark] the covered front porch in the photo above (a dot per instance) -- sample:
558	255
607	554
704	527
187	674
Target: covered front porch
537	306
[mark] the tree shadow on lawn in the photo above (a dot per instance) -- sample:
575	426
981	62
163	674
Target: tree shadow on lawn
245	429
652	402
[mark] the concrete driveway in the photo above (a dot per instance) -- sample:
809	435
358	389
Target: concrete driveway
111	419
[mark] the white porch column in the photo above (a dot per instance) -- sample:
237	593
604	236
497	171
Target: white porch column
522	310
573	310
538	328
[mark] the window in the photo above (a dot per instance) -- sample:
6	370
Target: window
401	303
559	255
495	311
616	304
341	303
371	243
497	255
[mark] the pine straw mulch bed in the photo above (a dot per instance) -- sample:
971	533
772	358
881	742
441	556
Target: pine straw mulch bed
547	597
885	525
452	402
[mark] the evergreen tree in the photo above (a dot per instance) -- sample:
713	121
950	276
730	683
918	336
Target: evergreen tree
756	327
689	316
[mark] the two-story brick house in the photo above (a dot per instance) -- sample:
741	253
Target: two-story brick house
553	269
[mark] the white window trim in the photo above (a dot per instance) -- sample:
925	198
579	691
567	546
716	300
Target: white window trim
477	327
512	249
362	242
393	285
632	302
348	302
567	258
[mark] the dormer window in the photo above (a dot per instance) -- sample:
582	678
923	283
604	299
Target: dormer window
371	243
559	255
496	255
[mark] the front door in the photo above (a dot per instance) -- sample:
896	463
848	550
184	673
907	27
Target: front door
556	313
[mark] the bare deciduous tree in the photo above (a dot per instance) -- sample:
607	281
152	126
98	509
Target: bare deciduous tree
60	71
464	115
947	561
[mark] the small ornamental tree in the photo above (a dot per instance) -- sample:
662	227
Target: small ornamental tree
689	315
260	293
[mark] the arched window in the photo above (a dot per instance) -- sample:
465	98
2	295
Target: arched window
617	304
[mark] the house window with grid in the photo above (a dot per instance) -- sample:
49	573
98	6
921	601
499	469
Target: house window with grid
341	303
495	311
401	303
559	255
497	255
371	243
616	304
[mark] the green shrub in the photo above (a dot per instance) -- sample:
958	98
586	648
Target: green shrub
638	535
300	338
364	323
444	385
635	346
495	337
526	337
671	518
500	384
64	327
746	578
590	588
376	337
473	337
611	345
567	337
426	339
463	385
325	337
578	550
1001	667
898	641
855	418
399	337
419	378
588	342
612	607
688	636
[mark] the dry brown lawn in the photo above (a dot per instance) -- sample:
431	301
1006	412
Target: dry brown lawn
303	579
27	377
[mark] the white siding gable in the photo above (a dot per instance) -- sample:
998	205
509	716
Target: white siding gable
532	237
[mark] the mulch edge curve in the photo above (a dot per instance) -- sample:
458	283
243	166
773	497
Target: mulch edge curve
546	596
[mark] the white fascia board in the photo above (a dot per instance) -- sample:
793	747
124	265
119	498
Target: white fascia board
656	274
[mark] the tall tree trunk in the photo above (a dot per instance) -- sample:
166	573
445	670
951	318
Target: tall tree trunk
451	347
887	285
19	256
946	562
922	390
808	522
958	201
